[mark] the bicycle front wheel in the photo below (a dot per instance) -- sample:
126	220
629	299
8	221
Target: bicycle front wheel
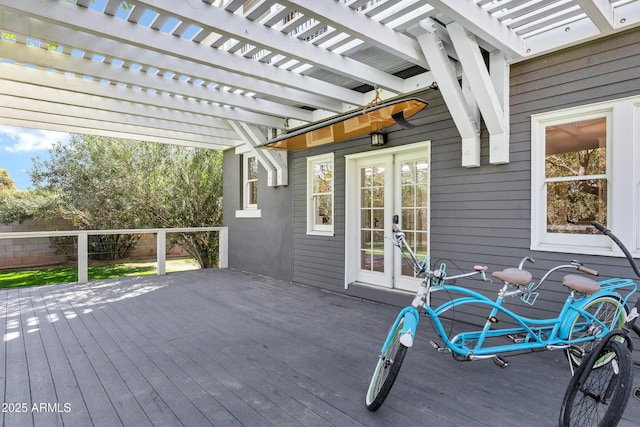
386	370
606	309
597	396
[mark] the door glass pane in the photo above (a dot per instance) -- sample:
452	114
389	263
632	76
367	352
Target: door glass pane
414	200
372	218
377	218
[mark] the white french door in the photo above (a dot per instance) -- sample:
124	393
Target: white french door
380	186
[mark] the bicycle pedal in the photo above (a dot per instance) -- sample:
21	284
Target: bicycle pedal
517	339
577	351
500	362
436	346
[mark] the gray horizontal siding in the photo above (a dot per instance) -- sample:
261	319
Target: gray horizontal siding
478	215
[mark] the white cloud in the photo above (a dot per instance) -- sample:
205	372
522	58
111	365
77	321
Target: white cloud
26	140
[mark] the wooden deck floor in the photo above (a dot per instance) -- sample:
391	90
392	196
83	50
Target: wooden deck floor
220	347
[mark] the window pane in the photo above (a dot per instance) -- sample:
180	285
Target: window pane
421	245
421	195
322	177
378	218
252	168
366	175
576	149
322	209
378	197
366	219
408	196
408	173
422	171
253	193
408	222
365	195
572	205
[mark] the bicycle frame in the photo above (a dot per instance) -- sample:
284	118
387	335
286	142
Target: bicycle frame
538	334
549	333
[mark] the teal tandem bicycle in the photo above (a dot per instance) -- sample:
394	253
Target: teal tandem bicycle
591	310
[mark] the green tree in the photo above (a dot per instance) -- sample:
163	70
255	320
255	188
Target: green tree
109	183
6	183
17	206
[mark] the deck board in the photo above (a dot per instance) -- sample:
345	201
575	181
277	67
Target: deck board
221	347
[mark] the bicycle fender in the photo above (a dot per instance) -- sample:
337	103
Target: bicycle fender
408	333
572	315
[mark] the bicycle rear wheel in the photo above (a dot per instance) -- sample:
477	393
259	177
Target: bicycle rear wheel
606	309
386	370
597	396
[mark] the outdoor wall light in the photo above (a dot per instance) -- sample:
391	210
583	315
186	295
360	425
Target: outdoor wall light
378	138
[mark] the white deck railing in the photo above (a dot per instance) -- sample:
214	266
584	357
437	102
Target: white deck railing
161	243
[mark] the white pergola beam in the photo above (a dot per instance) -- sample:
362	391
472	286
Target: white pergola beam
114	118
27	123
273	162
100	70
600	12
220	21
147	58
343	18
40	120
447	80
477	21
107	105
70	18
39	78
481	84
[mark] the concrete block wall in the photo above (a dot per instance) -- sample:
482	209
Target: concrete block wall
35	252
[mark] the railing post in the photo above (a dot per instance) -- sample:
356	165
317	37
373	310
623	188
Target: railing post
223	248
161	250
83	257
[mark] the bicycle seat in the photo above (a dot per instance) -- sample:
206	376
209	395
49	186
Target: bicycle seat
513	275
580	284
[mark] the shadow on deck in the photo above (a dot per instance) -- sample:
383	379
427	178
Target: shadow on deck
220	347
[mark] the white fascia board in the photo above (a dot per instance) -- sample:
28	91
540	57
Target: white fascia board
90	126
345	19
600	12
218	20
38	79
101	70
273	163
67	16
482	24
447	80
481	84
148	58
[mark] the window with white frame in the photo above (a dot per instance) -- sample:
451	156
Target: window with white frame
249	197
582	170
320	195
250	180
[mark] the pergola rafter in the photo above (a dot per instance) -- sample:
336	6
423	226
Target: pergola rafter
223	73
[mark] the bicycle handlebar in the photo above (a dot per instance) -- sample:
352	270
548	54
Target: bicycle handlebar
588	271
624	249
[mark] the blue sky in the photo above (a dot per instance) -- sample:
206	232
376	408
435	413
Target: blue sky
19	145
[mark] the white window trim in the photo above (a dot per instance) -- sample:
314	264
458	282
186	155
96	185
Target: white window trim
313	228
623	181
248	210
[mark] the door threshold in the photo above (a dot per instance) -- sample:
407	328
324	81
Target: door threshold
392	296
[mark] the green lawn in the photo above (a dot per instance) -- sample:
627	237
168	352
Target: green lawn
57	275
